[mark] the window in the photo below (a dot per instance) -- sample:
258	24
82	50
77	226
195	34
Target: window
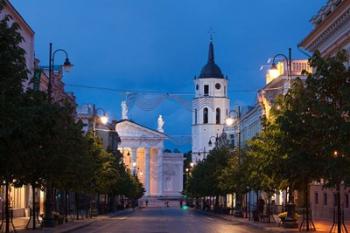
205	116
225	90
335	198
346	200
197	87
195	116
218	116
218	86
316	198
206	89
325	199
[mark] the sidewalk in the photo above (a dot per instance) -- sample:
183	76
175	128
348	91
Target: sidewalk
322	226
20	223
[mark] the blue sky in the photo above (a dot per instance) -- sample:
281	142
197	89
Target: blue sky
160	45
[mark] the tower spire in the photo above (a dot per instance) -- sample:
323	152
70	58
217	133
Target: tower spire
211	46
211	53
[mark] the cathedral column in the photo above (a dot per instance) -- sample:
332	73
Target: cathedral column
147	170
160	171
133	160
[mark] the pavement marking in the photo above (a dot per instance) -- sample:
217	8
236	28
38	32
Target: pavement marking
121	218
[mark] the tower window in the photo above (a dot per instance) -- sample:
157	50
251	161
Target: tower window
218	116
197	87
218	86
316	198
206	90
205	116
325	199
195	116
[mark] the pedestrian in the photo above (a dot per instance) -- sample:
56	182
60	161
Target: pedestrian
146	203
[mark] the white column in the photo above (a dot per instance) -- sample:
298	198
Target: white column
133	160
160	171
147	171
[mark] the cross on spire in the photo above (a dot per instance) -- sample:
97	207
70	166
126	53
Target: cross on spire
211	34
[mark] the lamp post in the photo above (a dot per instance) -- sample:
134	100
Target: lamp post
67	65
229	122
48	220
290	221
274	71
95	118
236	120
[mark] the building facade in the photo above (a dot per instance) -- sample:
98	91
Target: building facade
210	107
143	154
331	33
21	197
248	121
28	38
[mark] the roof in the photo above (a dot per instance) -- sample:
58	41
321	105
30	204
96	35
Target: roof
142	126
337	12
211	70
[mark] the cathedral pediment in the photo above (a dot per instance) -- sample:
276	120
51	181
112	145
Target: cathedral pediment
128	128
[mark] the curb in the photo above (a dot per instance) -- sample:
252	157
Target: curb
235	219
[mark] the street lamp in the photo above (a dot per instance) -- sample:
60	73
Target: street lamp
67	66
274	71
95	118
48	220
229	122
237	119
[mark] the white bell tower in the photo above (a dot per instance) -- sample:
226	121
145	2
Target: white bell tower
210	107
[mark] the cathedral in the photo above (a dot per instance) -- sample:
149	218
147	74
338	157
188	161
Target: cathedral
210	107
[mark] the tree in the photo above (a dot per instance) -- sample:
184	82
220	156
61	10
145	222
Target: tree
205	177
331	113
232	177
13	72
53	151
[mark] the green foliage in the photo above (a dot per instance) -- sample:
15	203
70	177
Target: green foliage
232	178
306	138
205	177
330	111
13	72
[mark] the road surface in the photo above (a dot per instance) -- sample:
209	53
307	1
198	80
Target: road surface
165	220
